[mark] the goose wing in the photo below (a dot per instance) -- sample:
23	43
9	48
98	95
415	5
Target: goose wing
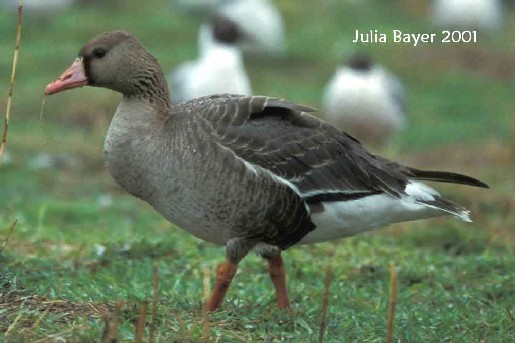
323	162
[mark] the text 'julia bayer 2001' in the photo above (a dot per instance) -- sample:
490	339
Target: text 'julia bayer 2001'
397	36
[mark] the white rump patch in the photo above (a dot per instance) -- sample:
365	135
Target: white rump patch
347	218
420	191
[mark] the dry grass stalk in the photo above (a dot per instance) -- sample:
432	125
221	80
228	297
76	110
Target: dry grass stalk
140	325
325	304
112	325
38	321
182	324
11	229
12	301
205	315
392	301
206	283
15	321
117	312
42	108
155	285
59	337
107	333
11	82
27	314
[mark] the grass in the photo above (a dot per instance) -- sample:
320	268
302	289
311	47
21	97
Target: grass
455	280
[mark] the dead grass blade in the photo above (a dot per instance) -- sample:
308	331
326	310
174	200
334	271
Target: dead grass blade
182	324
26	314
15	321
43	102
392	301
11	82
112	325
325	304
117	313
155	284
140	325
58	337
40	318
11	229
38	321
205	315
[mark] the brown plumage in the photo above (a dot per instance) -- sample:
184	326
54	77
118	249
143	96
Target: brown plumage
245	172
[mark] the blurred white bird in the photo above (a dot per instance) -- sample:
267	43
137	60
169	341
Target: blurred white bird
219	68
468	14
365	100
7	159
260	22
39	6
196	6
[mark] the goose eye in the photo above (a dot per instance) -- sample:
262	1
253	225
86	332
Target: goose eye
99	53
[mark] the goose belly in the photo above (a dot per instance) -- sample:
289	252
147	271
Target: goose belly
194	202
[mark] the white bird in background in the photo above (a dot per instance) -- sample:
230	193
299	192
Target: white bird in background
259	20
365	100
47	8
196	6
261	23
39	5
468	14
219	68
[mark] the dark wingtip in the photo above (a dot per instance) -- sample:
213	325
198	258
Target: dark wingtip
440	176
476	183
482	185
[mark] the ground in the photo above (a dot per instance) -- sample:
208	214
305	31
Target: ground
81	244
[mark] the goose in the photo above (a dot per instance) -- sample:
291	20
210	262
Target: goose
365	100
251	173
219	69
468	14
261	23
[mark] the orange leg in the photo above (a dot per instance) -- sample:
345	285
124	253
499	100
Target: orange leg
278	275
224	275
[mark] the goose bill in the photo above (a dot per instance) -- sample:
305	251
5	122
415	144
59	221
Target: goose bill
73	77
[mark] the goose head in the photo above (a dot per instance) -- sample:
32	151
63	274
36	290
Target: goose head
115	60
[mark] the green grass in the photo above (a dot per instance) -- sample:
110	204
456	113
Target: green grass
456	280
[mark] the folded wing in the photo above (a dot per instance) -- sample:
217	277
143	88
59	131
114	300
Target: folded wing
282	137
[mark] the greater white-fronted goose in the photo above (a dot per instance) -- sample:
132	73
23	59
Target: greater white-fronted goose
365	100
219	68
468	14
251	173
